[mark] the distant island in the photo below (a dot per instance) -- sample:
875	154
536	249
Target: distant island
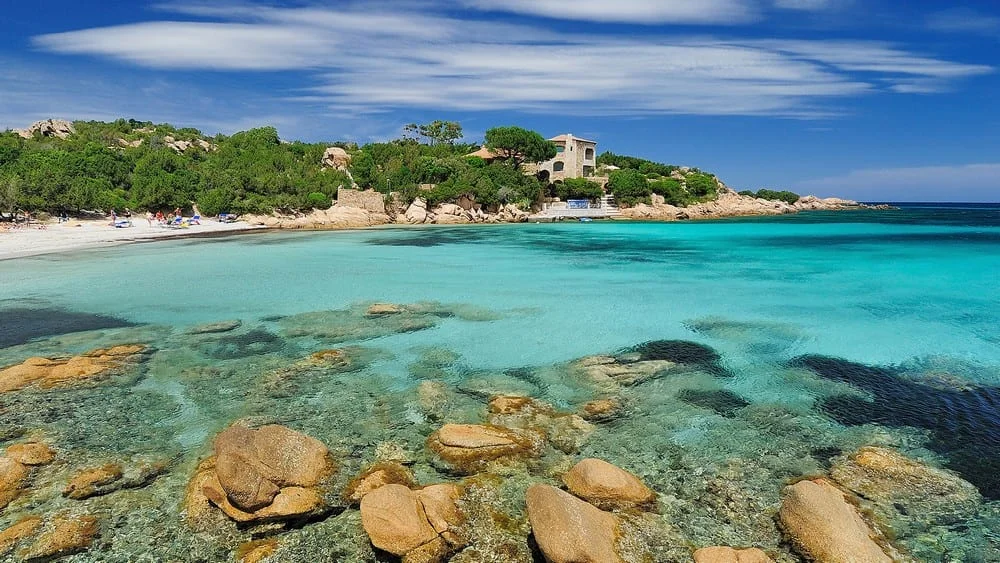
426	176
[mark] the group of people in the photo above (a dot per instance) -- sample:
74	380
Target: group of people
171	218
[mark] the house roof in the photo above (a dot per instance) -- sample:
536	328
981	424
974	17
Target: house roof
484	153
566	137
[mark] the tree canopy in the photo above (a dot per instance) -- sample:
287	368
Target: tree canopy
437	131
518	146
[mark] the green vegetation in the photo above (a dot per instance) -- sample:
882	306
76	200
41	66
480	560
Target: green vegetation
784	195
146	166
629	187
95	169
577	188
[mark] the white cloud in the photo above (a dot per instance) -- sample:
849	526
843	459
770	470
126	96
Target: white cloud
646	12
364	61
965	182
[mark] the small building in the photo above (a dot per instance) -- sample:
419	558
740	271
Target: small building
575	158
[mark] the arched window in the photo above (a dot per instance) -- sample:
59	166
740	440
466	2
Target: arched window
589	155
558	166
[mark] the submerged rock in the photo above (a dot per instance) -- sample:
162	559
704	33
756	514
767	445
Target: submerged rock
609	373
606	486
415	525
470	447
377	476
888	478
63	535
682	352
256	551
47	373
569	530
22	529
31	453
824	526
384	309
722	401
13	474
271	473
566	431
212	328
601	410
730	555
111	477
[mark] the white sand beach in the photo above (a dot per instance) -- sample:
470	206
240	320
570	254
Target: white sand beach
80	234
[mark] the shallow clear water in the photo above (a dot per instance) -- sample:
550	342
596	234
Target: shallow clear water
914	291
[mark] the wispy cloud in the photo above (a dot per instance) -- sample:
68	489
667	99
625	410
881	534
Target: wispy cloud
647	12
964	20
966	182
373	61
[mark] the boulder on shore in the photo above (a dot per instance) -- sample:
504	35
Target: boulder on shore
606	486
569	530
414	525
417	211
824	526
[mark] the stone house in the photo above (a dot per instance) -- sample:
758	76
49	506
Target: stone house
575	158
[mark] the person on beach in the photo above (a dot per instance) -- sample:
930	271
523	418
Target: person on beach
114	217
159	217
177	212
128	213
149	218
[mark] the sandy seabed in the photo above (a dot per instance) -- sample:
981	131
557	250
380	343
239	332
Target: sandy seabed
76	235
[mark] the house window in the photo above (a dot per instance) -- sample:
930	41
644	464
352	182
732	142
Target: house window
589	154
558	167
560	149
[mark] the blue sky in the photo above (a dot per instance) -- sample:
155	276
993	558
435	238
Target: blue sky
869	99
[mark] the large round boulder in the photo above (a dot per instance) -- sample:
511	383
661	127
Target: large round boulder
607	486
569	530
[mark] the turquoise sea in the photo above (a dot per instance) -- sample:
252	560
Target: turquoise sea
832	331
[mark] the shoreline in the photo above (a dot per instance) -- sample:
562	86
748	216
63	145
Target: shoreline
75	235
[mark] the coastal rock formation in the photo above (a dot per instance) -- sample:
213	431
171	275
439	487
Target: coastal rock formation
569	530
730	555
334	218
417	211
336	157
180	145
377	476
888	478
271	473
824	526
48	373
48	128
606	486
415	525
731	204
470	447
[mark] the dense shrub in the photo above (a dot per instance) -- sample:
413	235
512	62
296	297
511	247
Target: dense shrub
701	185
629	187
578	188
673	192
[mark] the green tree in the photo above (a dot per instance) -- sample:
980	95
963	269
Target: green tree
518	146
10	193
578	188
629	187
784	195
701	185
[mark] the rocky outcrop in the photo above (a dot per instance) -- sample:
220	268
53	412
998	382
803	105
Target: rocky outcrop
417	212
415	525
47	373
334	218
890	479
606	486
336	157
271	473
180	145
384	309
730	555
824	526
731	204
569	530
48	128
467	448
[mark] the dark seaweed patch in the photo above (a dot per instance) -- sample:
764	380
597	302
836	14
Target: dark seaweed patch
20	325
867	239
824	455
253	343
722	401
434	237
680	352
964	423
